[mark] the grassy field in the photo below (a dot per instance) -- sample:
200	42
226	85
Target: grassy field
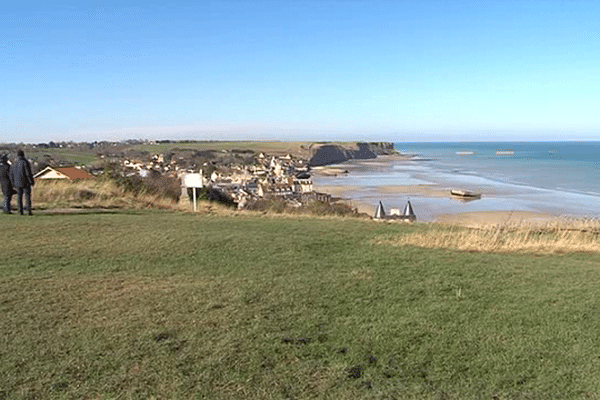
85	156
270	147
77	157
89	156
161	304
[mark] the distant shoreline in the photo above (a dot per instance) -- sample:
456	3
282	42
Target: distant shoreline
395	180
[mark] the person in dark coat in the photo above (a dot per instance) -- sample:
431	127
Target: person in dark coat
7	189
22	180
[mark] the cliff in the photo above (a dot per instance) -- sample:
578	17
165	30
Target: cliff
333	153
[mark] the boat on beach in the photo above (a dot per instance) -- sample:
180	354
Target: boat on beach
465	194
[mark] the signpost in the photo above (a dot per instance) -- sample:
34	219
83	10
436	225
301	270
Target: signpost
193	181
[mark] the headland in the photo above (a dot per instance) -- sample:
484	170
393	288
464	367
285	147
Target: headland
394	180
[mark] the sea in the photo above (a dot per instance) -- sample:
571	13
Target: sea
561	178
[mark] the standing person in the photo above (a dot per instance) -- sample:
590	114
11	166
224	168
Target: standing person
7	189
22	180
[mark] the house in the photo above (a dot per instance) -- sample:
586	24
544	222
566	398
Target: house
71	173
303	186
281	189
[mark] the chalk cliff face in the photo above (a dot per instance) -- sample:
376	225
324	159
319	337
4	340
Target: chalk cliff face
332	153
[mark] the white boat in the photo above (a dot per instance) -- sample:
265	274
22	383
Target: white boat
465	153
505	153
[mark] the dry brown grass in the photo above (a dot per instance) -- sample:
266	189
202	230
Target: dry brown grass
559	236
94	194
105	194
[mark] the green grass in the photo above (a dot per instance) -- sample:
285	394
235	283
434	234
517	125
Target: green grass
270	147
89	156
173	305
77	157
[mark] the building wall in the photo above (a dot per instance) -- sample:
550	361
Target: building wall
52	175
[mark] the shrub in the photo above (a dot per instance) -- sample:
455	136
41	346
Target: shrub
211	194
314	207
155	184
165	186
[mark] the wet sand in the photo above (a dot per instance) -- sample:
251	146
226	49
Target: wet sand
369	181
477	219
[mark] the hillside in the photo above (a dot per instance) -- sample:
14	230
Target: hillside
93	154
151	304
89	154
333	153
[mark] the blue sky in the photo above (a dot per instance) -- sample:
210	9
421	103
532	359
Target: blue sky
300	70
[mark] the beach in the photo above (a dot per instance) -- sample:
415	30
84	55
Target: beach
425	194
395	180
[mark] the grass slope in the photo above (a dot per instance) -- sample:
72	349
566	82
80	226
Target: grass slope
51	194
171	305
270	147
77	157
87	156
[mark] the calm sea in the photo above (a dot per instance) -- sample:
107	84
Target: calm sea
564	166
557	177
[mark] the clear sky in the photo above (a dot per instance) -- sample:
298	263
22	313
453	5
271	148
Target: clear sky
300	70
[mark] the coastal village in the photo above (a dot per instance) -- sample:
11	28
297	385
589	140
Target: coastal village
261	178
244	180
238	176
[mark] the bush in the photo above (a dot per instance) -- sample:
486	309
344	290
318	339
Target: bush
315	207
220	197
211	194
165	186
273	205
156	184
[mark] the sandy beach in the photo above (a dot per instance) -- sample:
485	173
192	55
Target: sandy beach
394	181
476	219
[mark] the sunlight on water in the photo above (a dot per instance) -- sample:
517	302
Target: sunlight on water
559	178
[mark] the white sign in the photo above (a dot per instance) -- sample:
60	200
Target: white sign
193	180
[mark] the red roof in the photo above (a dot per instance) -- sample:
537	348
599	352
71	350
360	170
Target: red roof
74	173
68	172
